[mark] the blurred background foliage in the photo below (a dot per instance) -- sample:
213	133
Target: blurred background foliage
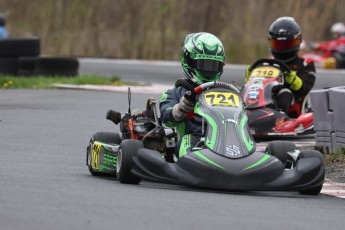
155	29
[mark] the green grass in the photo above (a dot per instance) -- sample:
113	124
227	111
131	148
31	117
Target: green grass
44	82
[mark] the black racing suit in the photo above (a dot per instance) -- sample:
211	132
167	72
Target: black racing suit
170	98
305	69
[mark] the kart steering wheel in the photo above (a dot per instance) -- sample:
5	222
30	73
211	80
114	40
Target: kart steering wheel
199	89
273	62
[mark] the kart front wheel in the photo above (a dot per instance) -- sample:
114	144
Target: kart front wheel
279	149
127	150
106	137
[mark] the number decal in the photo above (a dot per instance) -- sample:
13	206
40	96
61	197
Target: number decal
222	99
96	149
211	97
265	71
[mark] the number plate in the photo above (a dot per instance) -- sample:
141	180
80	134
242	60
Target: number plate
265	71
222	99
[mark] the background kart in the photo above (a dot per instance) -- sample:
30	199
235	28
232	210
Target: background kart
259	95
330	54
226	158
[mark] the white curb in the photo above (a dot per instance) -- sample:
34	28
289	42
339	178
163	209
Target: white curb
152	89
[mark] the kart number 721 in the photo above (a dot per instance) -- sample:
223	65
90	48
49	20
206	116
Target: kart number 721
222	99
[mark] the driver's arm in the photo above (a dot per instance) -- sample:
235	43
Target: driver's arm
168	100
307	75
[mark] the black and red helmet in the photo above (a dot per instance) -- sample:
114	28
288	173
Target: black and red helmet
285	38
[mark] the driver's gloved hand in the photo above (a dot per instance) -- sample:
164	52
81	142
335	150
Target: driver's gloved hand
181	109
247	73
293	80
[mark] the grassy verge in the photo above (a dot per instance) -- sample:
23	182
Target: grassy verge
43	82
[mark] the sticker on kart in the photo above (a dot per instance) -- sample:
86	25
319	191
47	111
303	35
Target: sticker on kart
222	99
96	149
265	71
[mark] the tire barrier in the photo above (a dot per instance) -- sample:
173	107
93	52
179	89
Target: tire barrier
26	66
329	119
19	47
20	56
56	66
8	66
12	50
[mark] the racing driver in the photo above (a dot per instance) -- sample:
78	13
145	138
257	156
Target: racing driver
285	38
202	60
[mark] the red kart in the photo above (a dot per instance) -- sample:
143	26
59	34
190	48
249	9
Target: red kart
259	95
330	54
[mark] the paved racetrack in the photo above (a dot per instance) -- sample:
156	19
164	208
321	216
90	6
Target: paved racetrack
44	183
167	72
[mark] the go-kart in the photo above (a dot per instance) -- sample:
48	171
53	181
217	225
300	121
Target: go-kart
145	127
328	54
259	95
225	157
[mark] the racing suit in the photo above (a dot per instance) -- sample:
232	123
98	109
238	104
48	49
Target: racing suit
170	98
305	70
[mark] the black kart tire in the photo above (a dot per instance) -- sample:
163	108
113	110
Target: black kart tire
311	154
106	137
18	47
57	66
279	149
339	60
314	191
127	150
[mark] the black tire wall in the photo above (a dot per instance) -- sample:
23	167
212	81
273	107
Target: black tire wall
11	50
8	66
56	66
19	47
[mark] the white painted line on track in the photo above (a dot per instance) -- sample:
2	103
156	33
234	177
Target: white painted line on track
153	89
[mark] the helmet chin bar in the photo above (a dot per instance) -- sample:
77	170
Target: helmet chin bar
285	57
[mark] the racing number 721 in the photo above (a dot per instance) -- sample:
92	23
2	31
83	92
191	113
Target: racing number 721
221	99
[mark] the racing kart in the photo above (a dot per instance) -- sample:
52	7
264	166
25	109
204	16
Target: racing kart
328	54
259	95
225	157
145	127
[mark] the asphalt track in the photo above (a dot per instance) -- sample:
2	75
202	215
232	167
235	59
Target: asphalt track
44	183
167	72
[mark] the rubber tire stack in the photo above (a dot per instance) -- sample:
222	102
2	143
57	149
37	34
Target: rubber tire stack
20	56
56	66
12	49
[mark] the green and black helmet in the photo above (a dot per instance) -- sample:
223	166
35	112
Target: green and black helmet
202	57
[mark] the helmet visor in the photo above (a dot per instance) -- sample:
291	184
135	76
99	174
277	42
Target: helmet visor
206	65
284	45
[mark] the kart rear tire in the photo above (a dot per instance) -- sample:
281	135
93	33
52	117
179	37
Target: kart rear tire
128	149
106	137
339	60
311	154
279	149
